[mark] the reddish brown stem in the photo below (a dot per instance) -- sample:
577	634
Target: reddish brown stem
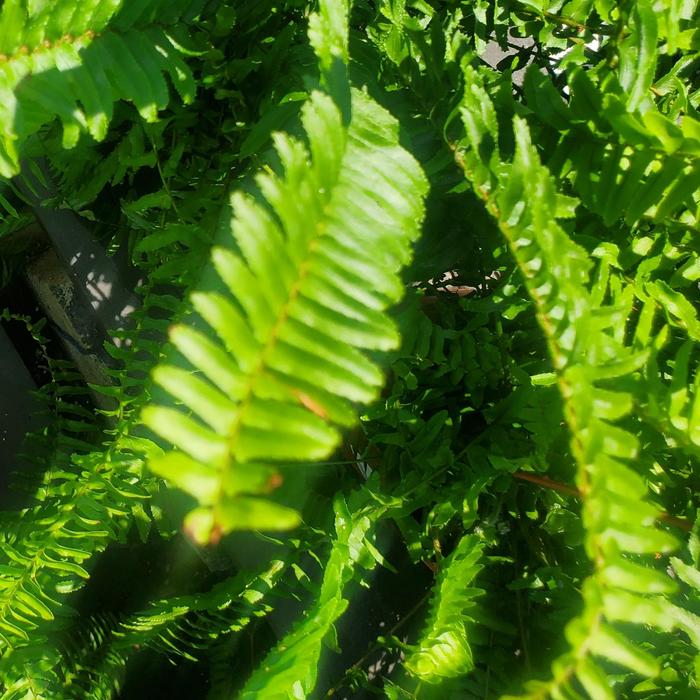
675	521
548	483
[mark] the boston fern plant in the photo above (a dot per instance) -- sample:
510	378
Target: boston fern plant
410	403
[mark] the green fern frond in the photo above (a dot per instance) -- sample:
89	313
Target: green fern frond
293	318
180	628
622	164
91	662
228	607
289	671
574	354
87	496
46	549
443	650
587	344
67	427
673	404
73	60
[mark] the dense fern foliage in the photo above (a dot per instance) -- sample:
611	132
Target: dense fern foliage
410	404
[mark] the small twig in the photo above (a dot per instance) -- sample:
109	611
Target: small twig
335	463
548	483
675	521
521	622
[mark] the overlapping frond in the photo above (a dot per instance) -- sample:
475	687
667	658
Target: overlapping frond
294	317
657	27
290	670
87	496
443	650
623	165
73	60
585	330
180	628
48	545
482	429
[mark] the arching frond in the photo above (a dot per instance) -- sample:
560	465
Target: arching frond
623	165
180	628
591	355
86	497
289	671
74	59
443	650
294	318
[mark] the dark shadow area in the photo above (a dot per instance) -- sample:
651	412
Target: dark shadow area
394	603
95	275
24	368
17	406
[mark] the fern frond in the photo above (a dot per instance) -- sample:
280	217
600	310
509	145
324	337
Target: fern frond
293	317
587	346
46	548
623	165
289	670
88	496
74	59
180	628
92	661
673	405
67	426
443	650
667	23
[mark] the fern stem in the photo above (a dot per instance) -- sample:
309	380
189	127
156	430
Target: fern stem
166	186
546	482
